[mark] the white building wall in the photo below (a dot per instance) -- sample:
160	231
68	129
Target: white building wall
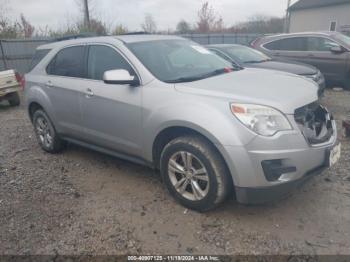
319	19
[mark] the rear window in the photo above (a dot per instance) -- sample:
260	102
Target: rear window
38	56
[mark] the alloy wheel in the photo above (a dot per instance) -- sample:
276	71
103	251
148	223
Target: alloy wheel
189	176
44	132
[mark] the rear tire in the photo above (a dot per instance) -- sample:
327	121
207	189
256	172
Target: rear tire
194	173
14	99
46	134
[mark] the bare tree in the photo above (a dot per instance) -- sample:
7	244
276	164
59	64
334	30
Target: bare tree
149	25
206	18
218	25
42	31
183	27
4	8
8	28
120	29
27	28
97	27
260	24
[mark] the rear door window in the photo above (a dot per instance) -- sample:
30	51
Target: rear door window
69	62
38	56
288	44
103	58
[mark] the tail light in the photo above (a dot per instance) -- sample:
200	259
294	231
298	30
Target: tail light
20	79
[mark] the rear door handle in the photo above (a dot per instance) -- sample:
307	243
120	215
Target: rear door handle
89	93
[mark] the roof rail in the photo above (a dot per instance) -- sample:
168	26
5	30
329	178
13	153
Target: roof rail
70	37
137	33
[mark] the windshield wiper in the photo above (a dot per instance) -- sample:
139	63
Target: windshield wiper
200	77
254	61
257	61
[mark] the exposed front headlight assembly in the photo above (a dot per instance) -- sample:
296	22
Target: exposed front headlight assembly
263	120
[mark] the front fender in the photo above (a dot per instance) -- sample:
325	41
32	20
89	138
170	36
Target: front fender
215	122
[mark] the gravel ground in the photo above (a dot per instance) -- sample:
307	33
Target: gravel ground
83	202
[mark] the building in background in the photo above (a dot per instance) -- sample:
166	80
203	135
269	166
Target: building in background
320	15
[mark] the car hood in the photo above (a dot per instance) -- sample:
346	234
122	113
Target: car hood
290	67
280	90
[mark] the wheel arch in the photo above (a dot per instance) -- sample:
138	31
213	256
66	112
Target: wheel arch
169	133
36	98
32	108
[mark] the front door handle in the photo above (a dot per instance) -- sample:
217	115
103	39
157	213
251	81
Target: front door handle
89	93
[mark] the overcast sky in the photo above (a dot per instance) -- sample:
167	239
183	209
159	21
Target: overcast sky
56	13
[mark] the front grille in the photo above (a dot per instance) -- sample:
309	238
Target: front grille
315	122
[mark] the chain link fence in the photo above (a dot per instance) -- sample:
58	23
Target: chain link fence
17	53
210	39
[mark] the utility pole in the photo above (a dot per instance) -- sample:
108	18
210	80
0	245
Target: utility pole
287	18
86	13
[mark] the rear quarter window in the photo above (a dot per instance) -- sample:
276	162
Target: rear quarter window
38	56
69	62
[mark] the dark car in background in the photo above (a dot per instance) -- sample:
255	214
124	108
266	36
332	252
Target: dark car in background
328	51
243	56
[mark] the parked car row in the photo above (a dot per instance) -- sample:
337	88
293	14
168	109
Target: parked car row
327	51
243	56
214	129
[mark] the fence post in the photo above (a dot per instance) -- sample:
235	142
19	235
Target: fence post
3	55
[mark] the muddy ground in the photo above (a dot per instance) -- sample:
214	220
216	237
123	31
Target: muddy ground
83	202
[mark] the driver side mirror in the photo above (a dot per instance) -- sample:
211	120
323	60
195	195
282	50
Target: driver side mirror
337	49
120	77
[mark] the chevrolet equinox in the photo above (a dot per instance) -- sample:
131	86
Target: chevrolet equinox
169	103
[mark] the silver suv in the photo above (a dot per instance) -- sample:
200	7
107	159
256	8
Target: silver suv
169	103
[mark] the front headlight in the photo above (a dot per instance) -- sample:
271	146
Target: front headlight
263	120
316	77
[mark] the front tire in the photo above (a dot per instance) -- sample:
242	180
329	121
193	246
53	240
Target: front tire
194	173
14	99
46	134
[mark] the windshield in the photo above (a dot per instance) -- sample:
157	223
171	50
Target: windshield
179	60
344	38
243	54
